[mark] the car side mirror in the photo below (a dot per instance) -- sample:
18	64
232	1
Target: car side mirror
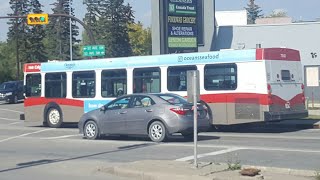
103	108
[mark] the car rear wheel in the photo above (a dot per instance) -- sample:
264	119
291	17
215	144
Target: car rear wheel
54	118
91	130
157	131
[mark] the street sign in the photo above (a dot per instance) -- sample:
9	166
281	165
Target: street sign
95	50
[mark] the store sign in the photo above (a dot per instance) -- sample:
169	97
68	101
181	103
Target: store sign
175	30
184	42
181	20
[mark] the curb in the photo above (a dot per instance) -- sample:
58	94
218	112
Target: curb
127	171
285	171
119	171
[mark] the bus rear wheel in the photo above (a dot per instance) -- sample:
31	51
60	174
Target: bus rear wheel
54	118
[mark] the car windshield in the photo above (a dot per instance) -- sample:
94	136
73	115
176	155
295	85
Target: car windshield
6	86
173	99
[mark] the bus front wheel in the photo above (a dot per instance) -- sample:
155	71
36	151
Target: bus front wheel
54	118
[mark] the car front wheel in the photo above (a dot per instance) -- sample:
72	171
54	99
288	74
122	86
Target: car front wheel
157	131
91	130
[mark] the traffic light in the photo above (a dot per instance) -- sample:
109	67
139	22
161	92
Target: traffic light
35	19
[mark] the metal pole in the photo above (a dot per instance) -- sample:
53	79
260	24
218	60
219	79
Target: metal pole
17	42
70	24
195	120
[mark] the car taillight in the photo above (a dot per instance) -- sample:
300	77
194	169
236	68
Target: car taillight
180	111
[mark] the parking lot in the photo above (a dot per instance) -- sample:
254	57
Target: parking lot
41	152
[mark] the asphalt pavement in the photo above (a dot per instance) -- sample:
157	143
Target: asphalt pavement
281	150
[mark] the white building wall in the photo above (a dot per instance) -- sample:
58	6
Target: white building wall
229	18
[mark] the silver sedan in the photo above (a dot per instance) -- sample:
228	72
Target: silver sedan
156	115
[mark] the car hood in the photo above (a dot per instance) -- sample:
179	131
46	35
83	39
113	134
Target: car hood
90	114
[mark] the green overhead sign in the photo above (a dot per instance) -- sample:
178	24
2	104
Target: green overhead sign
95	50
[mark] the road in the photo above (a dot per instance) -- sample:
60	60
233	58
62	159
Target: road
50	153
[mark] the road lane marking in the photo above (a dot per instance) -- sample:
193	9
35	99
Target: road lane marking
214	153
262	136
7	119
14	123
11	110
61	137
26	134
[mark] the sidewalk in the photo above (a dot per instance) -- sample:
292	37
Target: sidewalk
176	170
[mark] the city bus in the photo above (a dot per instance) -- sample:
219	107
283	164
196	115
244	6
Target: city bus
237	86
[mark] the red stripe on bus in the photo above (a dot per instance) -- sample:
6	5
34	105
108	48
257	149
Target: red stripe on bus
262	99
33	101
277	54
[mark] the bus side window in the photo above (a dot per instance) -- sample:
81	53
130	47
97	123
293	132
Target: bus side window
83	84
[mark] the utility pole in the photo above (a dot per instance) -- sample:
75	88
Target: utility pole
70	24
17	42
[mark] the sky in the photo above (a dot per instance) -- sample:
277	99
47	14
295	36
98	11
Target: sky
307	10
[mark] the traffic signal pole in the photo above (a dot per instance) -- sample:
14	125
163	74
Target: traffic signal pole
90	34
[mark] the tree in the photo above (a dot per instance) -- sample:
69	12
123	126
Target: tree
35	36
24	42
278	13
253	12
140	39
7	63
109	20
58	33
17	34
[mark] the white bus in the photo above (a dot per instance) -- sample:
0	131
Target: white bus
238	86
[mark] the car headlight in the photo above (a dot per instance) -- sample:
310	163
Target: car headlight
9	93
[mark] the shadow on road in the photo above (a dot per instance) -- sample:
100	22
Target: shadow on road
271	127
172	138
51	161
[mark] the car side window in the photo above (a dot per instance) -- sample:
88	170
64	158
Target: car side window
142	101
120	104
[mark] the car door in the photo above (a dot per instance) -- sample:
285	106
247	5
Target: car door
114	118
140	114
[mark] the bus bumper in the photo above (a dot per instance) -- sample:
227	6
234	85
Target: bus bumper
276	116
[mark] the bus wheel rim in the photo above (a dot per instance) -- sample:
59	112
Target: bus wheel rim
54	116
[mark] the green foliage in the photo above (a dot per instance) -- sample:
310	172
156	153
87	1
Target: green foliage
36	34
7	63
234	166
253	12
317	175
109	20
140	39
233	162
57	41
278	13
